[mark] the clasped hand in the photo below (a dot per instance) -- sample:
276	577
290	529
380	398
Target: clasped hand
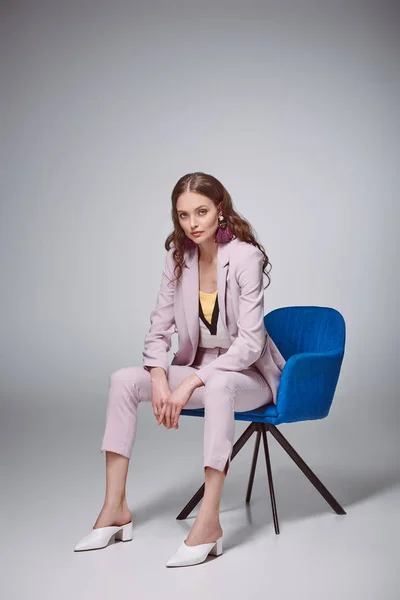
173	405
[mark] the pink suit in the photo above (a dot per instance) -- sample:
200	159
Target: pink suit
243	377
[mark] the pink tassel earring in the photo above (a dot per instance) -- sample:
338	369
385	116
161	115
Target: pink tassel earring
224	234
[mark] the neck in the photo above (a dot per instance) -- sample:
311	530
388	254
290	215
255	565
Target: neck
208	251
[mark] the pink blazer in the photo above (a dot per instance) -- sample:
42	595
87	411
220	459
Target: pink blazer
241	305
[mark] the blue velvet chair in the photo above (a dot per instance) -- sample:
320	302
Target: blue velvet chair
312	341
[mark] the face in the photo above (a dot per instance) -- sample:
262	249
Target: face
197	213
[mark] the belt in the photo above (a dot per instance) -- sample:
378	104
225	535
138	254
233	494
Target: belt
217	350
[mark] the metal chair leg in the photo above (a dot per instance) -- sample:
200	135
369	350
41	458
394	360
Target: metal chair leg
306	470
238	445
253	466
270	481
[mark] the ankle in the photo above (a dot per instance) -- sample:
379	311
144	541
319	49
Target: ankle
211	522
116	505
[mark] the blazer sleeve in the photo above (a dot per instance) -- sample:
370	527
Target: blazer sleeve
157	341
248	345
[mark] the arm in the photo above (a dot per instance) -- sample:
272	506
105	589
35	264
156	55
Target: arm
307	386
158	340
247	347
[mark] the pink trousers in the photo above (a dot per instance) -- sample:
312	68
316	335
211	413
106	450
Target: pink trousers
223	394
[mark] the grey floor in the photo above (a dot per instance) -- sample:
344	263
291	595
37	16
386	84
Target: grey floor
53	488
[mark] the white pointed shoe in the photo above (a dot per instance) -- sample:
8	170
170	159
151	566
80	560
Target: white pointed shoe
193	555
100	537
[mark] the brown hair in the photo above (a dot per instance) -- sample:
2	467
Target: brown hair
209	186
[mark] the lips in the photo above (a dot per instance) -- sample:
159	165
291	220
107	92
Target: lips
196	233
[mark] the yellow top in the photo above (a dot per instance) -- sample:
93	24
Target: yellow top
207	303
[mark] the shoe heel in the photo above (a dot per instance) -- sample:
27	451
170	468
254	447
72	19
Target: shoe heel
217	548
125	533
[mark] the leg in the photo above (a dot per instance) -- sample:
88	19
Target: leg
224	393
115	509
207	527
128	387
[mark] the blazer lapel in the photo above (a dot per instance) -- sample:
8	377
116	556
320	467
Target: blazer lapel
222	273
190	289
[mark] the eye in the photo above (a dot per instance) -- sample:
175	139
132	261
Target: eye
202	210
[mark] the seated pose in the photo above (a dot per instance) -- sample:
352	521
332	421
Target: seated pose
212	296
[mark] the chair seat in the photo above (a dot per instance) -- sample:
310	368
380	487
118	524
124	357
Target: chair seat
265	414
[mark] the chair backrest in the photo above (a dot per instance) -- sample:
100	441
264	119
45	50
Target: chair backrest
312	340
297	329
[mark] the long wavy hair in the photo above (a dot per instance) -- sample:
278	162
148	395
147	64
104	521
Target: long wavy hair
207	185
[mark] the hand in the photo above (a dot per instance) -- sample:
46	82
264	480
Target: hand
173	405
159	389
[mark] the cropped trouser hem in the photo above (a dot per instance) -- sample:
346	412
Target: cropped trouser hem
219	465
116	449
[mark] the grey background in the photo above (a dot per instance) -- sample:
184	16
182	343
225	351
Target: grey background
294	107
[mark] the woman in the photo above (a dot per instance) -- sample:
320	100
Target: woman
212	295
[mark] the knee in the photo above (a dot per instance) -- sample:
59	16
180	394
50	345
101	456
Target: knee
127	376
219	380
127	387
218	388
119	376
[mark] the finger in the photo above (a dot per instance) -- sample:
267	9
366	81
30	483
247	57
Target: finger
177	415
161	417
173	410
168	416
162	414
173	416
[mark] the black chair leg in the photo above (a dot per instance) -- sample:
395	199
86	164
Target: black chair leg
264	430
238	445
253	466
306	470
